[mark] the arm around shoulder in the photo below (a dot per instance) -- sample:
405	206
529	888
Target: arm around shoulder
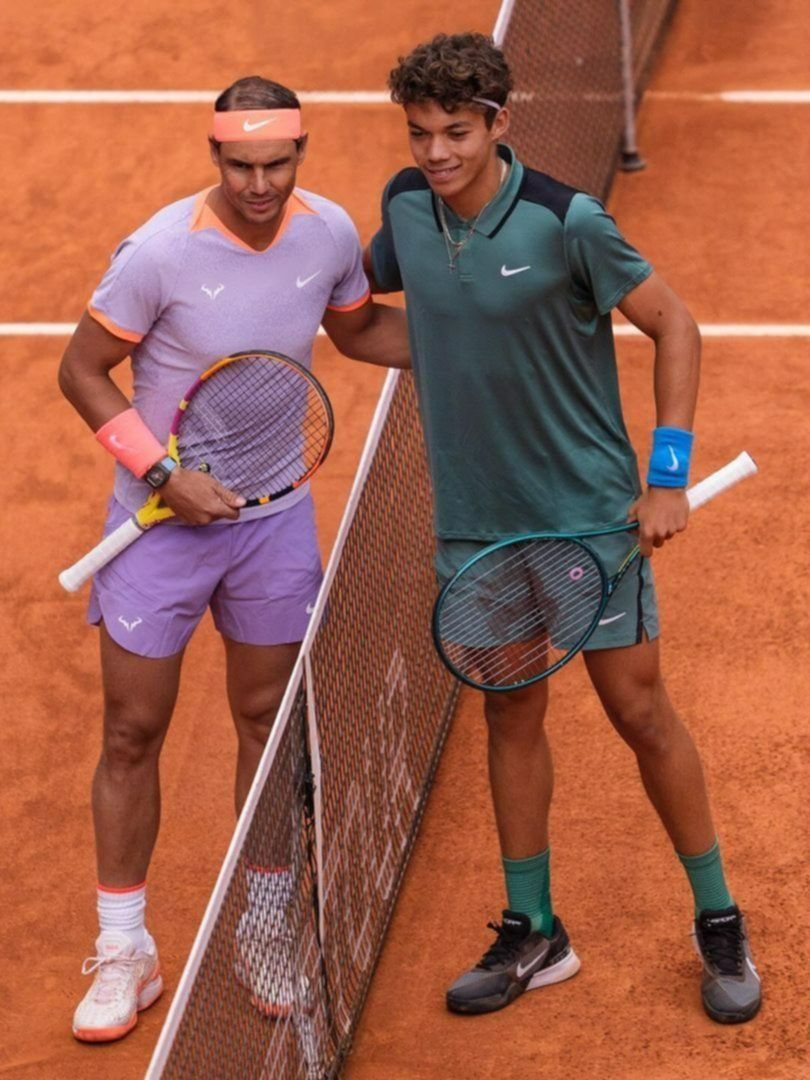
374	333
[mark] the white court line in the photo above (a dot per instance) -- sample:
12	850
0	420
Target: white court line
353	97
718	330
36	329
752	330
177	97
735	97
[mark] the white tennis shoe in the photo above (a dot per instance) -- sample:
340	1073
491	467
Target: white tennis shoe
126	982
265	963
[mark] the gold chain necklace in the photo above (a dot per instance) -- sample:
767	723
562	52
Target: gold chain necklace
455	247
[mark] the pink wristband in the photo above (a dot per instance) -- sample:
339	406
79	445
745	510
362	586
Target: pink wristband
131	442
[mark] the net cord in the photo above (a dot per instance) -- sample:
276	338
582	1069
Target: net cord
180	1000
502	21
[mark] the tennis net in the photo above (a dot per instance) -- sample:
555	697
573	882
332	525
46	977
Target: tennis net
280	968
568	103
281	965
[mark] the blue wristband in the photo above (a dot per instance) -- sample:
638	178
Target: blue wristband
669	460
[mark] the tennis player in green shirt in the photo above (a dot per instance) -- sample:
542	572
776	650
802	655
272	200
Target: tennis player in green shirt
510	278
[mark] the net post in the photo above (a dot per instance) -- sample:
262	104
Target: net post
631	160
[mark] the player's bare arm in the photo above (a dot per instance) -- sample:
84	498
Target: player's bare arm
368	266
374	333
85	380
659	313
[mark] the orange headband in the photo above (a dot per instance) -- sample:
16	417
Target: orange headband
254	124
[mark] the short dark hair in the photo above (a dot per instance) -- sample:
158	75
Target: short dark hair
453	70
255	92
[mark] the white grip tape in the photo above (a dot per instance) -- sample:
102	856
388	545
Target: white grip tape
743	465
75	576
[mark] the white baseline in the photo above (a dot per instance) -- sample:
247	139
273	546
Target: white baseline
356	97
717	330
177	97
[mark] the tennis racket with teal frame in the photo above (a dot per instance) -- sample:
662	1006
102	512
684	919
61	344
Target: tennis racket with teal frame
520	609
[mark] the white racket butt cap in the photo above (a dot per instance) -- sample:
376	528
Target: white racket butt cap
75	576
717	482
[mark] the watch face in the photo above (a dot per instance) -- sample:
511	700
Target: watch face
157	475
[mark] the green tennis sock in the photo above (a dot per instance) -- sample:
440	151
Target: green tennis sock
705	873
528	886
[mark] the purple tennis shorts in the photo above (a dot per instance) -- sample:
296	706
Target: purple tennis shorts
259	577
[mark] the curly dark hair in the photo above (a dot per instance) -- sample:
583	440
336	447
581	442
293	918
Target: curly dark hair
452	69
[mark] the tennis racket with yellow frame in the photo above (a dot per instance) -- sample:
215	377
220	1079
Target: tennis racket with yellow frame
259	422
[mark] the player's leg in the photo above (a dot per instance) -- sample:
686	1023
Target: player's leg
262	607
631	689
531	948
630	686
147	603
139	696
521	773
257	676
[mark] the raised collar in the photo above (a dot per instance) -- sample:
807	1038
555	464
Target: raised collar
203	217
504	202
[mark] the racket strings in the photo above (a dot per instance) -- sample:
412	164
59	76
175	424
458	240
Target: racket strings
507	595
257	424
518	611
532	576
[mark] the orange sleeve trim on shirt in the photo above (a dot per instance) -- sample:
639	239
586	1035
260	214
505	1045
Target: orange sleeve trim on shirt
116	331
351	307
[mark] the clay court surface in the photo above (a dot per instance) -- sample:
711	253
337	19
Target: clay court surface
721	211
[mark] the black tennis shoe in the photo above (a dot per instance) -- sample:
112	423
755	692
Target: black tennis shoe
730	987
520	959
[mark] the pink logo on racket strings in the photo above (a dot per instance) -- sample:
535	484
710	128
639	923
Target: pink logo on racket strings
576	573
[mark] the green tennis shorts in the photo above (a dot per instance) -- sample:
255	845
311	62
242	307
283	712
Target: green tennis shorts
632	610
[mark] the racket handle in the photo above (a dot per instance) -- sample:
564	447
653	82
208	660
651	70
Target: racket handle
75	576
743	465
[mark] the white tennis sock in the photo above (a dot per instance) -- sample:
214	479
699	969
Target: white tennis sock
124	910
269	890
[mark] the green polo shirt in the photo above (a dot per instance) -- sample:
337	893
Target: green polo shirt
513	354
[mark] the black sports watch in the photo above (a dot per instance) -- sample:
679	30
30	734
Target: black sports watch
158	474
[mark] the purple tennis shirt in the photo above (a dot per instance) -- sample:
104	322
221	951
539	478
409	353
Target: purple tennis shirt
186	291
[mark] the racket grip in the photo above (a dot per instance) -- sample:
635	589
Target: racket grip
743	465
75	576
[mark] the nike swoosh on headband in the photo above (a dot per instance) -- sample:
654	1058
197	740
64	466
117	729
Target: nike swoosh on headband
247	126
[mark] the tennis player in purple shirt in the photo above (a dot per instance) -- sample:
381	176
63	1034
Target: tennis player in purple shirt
253	262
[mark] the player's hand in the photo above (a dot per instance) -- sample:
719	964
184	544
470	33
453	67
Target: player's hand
661	513
197	498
